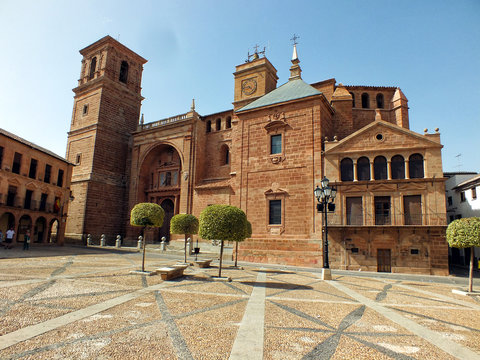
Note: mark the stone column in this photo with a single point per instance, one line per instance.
(355, 170)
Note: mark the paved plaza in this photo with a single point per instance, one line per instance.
(79, 303)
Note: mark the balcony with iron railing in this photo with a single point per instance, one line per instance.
(387, 219)
(17, 202)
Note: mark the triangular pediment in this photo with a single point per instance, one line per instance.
(380, 135)
(412, 186)
(275, 192)
(14, 182)
(383, 187)
(354, 188)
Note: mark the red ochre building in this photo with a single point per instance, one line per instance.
(266, 156)
(34, 190)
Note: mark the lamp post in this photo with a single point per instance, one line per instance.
(325, 197)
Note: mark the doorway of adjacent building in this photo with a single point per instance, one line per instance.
(384, 260)
(169, 207)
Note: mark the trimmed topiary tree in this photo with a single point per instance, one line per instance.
(465, 233)
(186, 224)
(146, 215)
(224, 223)
(248, 233)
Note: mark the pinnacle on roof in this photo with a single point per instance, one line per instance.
(295, 70)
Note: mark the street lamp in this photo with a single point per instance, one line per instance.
(325, 197)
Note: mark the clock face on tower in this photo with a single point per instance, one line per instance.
(249, 86)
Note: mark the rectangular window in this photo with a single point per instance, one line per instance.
(275, 212)
(60, 178)
(354, 211)
(452, 218)
(11, 195)
(28, 199)
(382, 210)
(450, 201)
(474, 193)
(33, 169)
(1, 156)
(459, 216)
(276, 144)
(462, 196)
(78, 160)
(412, 206)
(43, 202)
(17, 162)
(48, 173)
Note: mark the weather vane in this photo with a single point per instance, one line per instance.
(255, 54)
(294, 39)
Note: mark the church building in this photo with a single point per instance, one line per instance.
(265, 156)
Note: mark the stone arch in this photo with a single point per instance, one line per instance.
(380, 168)
(346, 169)
(160, 173)
(24, 224)
(7, 221)
(53, 229)
(39, 230)
(224, 155)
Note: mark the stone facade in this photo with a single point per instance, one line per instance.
(266, 155)
(34, 190)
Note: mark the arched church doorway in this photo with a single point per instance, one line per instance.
(169, 207)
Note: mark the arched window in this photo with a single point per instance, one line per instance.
(225, 155)
(415, 166)
(229, 122)
(380, 168)
(346, 169)
(209, 126)
(93, 67)
(123, 72)
(365, 101)
(353, 99)
(398, 167)
(363, 168)
(218, 125)
(380, 103)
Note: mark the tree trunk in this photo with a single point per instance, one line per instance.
(221, 256)
(144, 242)
(470, 277)
(185, 248)
(236, 252)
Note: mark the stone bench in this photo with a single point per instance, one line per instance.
(171, 272)
(203, 263)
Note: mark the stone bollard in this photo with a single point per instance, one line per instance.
(102, 240)
(162, 245)
(140, 242)
(89, 240)
(189, 246)
(118, 242)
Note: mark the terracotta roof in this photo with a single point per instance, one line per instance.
(31, 145)
(472, 181)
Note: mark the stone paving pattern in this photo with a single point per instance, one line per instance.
(78, 303)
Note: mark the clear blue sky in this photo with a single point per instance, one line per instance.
(430, 49)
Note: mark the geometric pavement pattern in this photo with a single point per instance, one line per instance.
(77, 303)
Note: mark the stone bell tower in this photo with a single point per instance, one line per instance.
(105, 112)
